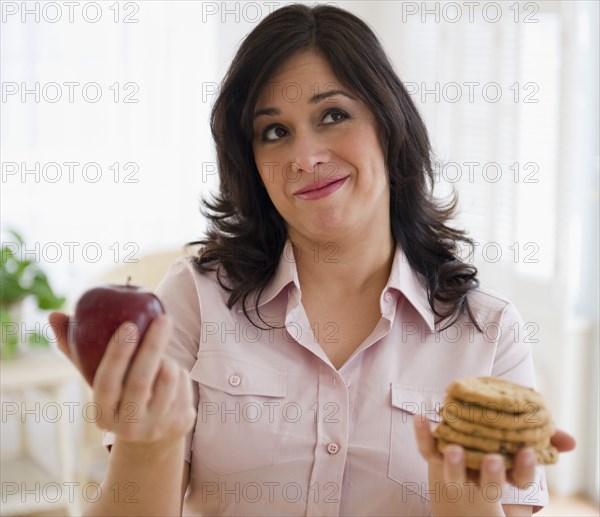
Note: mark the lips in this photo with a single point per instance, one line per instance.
(321, 189)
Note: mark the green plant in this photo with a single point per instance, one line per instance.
(20, 279)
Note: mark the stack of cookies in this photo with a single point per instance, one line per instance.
(492, 415)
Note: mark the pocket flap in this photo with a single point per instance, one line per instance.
(238, 375)
(418, 400)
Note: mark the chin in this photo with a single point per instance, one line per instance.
(329, 227)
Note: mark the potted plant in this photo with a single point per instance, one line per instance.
(19, 279)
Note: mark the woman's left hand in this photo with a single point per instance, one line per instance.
(456, 491)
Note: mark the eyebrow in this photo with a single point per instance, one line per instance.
(315, 99)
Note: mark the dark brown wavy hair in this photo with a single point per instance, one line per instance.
(246, 234)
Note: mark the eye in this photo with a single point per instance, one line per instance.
(333, 116)
(272, 133)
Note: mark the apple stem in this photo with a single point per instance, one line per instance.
(128, 280)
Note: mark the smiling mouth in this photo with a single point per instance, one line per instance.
(320, 189)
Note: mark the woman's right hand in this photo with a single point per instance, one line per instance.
(147, 400)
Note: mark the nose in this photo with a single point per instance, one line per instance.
(309, 151)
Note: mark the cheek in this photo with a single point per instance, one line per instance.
(265, 171)
(273, 181)
(264, 176)
(372, 160)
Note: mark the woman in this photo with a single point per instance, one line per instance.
(324, 313)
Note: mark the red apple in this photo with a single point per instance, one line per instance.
(98, 314)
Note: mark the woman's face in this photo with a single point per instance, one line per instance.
(317, 151)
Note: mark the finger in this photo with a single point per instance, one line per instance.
(182, 411)
(454, 464)
(110, 375)
(492, 477)
(564, 442)
(60, 326)
(164, 390)
(185, 412)
(523, 472)
(144, 369)
(425, 440)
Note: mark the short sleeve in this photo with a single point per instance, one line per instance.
(179, 295)
(514, 362)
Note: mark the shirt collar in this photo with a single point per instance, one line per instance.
(407, 281)
(285, 274)
(402, 278)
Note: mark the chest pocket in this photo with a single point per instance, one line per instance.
(406, 466)
(239, 411)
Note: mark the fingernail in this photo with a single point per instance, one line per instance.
(130, 333)
(528, 457)
(494, 464)
(161, 321)
(454, 456)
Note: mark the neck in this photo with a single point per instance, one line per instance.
(345, 266)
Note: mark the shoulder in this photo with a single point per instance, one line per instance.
(181, 265)
(488, 299)
(185, 269)
(184, 279)
(178, 274)
(487, 306)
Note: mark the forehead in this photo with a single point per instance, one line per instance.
(300, 77)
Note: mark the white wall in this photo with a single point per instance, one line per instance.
(155, 130)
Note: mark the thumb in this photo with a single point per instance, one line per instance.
(60, 325)
(563, 441)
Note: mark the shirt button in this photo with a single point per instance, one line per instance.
(388, 297)
(347, 382)
(333, 448)
(235, 380)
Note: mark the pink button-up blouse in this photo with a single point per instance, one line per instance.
(280, 431)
